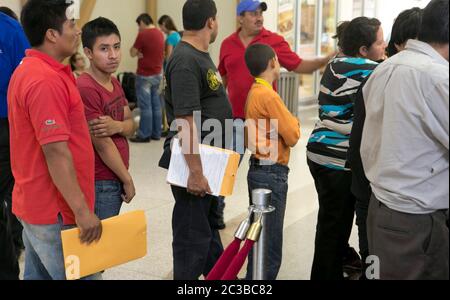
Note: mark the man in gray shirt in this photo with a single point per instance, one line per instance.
(405, 153)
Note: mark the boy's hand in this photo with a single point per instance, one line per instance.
(105, 126)
(129, 191)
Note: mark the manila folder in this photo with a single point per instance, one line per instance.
(124, 239)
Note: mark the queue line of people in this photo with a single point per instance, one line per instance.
(86, 163)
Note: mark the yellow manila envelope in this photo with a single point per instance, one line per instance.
(124, 239)
(219, 167)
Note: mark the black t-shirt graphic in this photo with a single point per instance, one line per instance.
(193, 85)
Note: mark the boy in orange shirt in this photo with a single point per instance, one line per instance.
(271, 131)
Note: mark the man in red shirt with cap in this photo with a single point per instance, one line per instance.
(236, 77)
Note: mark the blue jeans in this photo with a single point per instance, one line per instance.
(44, 259)
(149, 102)
(108, 198)
(274, 178)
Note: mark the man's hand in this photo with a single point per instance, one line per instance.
(198, 185)
(129, 191)
(105, 126)
(90, 227)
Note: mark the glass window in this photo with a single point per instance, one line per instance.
(287, 21)
(370, 8)
(358, 6)
(307, 43)
(329, 22)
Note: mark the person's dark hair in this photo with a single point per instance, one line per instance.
(38, 16)
(197, 12)
(9, 12)
(144, 18)
(168, 23)
(357, 33)
(73, 60)
(257, 58)
(406, 27)
(434, 27)
(340, 32)
(97, 28)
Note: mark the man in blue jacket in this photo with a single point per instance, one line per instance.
(13, 44)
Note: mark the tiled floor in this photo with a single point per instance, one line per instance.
(153, 196)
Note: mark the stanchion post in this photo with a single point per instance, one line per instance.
(261, 199)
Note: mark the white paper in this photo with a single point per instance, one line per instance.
(214, 163)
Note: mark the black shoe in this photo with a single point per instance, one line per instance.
(139, 140)
(156, 139)
(352, 260)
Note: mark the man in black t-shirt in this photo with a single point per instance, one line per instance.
(195, 95)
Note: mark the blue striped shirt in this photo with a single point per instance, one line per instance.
(329, 141)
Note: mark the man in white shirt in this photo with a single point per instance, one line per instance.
(405, 153)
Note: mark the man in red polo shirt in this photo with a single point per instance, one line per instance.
(232, 67)
(52, 157)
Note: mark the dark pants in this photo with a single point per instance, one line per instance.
(9, 268)
(196, 243)
(238, 145)
(335, 221)
(274, 178)
(362, 210)
(409, 247)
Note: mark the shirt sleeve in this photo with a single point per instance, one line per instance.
(93, 106)
(287, 58)
(437, 118)
(48, 106)
(119, 86)
(173, 39)
(138, 42)
(288, 125)
(221, 67)
(185, 91)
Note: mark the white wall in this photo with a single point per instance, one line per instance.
(388, 10)
(13, 4)
(226, 16)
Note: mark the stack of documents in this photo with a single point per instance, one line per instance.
(124, 239)
(219, 168)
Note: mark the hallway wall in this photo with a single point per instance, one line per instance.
(13, 4)
(125, 19)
